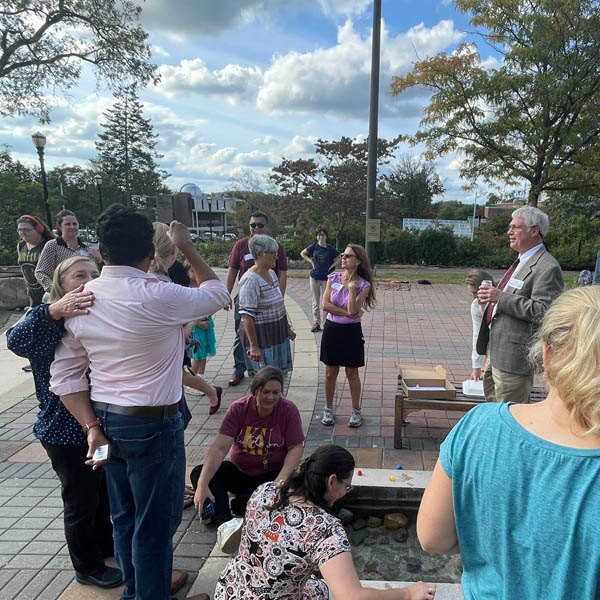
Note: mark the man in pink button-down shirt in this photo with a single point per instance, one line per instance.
(132, 342)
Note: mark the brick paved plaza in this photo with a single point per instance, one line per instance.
(426, 325)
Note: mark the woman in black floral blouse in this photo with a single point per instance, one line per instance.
(290, 534)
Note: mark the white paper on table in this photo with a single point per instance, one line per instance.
(423, 388)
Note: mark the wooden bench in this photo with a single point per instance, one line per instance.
(404, 406)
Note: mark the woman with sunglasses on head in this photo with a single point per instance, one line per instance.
(34, 234)
(342, 344)
(290, 533)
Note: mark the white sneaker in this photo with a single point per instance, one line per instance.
(328, 416)
(355, 418)
(190, 391)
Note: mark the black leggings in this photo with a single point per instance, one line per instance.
(229, 478)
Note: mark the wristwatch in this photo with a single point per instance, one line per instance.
(94, 423)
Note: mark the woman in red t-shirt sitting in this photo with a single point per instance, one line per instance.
(263, 431)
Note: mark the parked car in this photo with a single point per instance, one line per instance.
(229, 236)
(207, 235)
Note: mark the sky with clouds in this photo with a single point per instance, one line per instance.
(247, 82)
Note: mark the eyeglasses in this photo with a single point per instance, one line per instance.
(348, 255)
(257, 225)
(348, 484)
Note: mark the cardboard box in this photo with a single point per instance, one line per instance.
(425, 377)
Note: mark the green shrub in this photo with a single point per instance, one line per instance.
(215, 253)
(401, 247)
(436, 246)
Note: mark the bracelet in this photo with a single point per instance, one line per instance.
(94, 423)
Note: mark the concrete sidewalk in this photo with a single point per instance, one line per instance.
(427, 325)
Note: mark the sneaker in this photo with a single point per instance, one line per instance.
(328, 416)
(190, 391)
(315, 327)
(355, 418)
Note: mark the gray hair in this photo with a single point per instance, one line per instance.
(261, 244)
(533, 217)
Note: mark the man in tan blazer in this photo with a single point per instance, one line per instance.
(516, 307)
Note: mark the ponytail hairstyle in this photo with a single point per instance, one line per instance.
(310, 480)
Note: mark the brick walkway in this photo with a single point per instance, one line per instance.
(427, 325)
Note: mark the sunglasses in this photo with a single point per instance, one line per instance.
(257, 225)
(348, 255)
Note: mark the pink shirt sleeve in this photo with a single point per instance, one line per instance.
(68, 372)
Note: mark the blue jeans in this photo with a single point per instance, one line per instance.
(145, 478)
(239, 354)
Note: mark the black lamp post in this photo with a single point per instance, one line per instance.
(210, 218)
(98, 180)
(39, 141)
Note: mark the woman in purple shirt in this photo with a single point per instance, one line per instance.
(342, 344)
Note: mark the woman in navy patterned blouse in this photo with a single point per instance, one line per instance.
(88, 529)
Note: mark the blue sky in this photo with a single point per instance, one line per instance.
(247, 82)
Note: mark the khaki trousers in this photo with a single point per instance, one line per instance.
(317, 287)
(500, 386)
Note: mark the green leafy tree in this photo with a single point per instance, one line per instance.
(332, 188)
(408, 190)
(127, 154)
(534, 117)
(44, 43)
(452, 209)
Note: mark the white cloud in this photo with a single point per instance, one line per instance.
(209, 18)
(267, 140)
(159, 51)
(335, 81)
(300, 145)
(233, 82)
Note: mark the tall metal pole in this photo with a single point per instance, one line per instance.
(210, 219)
(373, 117)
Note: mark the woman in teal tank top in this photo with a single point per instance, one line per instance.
(517, 487)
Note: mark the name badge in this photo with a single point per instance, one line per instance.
(337, 286)
(84, 252)
(516, 283)
(248, 257)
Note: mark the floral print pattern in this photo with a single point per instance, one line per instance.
(281, 551)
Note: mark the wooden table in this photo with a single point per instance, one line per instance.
(404, 406)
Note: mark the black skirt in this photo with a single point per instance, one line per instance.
(342, 345)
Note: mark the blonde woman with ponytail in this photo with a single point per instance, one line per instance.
(517, 487)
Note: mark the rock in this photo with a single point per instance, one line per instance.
(413, 564)
(360, 523)
(395, 520)
(401, 535)
(13, 293)
(371, 540)
(359, 536)
(374, 522)
(345, 516)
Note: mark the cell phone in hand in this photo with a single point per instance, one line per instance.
(101, 453)
(208, 509)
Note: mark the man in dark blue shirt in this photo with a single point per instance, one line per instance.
(324, 258)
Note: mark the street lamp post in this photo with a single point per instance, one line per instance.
(39, 141)
(210, 218)
(98, 179)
